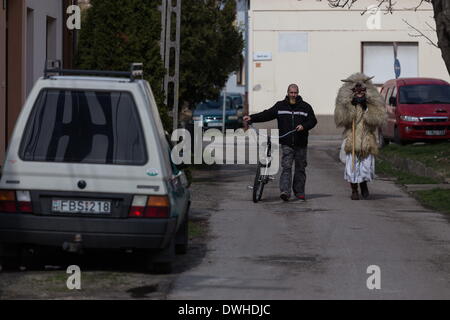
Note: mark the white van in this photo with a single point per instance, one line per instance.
(89, 167)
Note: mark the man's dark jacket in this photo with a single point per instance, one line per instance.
(289, 116)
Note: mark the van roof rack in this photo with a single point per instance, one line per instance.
(53, 68)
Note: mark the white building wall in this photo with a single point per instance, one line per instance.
(332, 51)
(41, 10)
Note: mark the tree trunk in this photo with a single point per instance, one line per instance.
(442, 18)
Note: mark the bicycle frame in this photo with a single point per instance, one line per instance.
(262, 176)
(268, 153)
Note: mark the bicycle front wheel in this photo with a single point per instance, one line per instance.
(258, 186)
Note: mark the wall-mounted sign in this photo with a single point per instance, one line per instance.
(262, 56)
(293, 42)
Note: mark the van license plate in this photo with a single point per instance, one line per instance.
(214, 124)
(435, 132)
(81, 206)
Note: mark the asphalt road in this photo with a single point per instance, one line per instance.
(320, 249)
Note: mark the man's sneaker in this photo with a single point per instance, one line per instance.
(284, 196)
(301, 198)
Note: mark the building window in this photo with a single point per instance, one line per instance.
(379, 58)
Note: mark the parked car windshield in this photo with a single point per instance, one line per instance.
(84, 127)
(425, 94)
(213, 104)
(237, 99)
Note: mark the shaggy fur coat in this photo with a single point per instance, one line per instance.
(366, 122)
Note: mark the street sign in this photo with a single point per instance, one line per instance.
(262, 56)
(397, 68)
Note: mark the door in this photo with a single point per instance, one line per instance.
(391, 112)
(388, 130)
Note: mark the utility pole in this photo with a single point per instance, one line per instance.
(224, 106)
(170, 53)
(247, 59)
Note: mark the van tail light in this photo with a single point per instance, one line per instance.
(15, 201)
(8, 201)
(24, 201)
(138, 207)
(150, 207)
(157, 207)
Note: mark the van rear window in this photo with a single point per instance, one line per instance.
(425, 94)
(96, 127)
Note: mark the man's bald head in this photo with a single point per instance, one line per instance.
(292, 93)
(292, 87)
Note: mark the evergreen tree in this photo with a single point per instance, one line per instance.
(211, 48)
(117, 33)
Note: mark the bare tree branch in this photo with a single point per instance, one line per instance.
(430, 26)
(389, 4)
(441, 9)
(420, 33)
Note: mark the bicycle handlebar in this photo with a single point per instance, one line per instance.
(284, 135)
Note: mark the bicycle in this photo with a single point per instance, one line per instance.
(262, 179)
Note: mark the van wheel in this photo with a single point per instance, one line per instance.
(160, 262)
(9, 257)
(182, 236)
(162, 267)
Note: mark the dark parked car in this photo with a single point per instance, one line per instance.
(418, 110)
(210, 113)
(238, 98)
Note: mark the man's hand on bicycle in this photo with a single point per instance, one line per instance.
(247, 118)
(299, 128)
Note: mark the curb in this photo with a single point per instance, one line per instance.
(421, 187)
(415, 167)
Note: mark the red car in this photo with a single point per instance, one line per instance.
(418, 110)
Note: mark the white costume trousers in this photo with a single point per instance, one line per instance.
(364, 170)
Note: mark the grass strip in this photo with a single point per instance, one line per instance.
(436, 199)
(433, 155)
(384, 168)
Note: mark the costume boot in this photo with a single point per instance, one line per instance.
(364, 190)
(355, 195)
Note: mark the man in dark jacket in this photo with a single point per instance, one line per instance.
(291, 113)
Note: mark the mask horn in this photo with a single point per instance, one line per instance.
(368, 79)
(346, 80)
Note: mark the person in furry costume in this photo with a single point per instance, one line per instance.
(360, 111)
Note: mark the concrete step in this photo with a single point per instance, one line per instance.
(417, 187)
